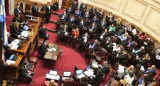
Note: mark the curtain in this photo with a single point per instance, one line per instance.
(7, 7)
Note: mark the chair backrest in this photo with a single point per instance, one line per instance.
(68, 82)
(11, 27)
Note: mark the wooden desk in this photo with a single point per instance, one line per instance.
(12, 71)
(51, 57)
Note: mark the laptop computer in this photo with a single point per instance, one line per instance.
(53, 72)
(26, 27)
(66, 74)
(80, 73)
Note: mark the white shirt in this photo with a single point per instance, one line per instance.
(128, 79)
(85, 39)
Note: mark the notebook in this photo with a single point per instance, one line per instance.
(52, 72)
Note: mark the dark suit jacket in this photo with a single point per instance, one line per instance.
(16, 12)
(42, 34)
(84, 24)
(105, 35)
(69, 20)
(48, 11)
(65, 17)
(91, 11)
(83, 7)
(42, 49)
(96, 46)
(94, 29)
(99, 14)
(120, 32)
(94, 20)
(34, 11)
(55, 6)
(62, 29)
(69, 11)
(24, 71)
(140, 53)
(74, 5)
(79, 13)
(16, 31)
(123, 57)
(86, 16)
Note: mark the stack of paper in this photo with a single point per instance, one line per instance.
(24, 34)
(15, 43)
(10, 62)
(49, 76)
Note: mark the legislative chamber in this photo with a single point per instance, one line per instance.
(79, 42)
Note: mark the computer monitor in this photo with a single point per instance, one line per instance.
(67, 74)
(79, 71)
(52, 72)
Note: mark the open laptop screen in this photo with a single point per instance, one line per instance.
(67, 74)
(79, 71)
(52, 72)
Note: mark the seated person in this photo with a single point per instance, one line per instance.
(77, 13)
(145, 59)
(17, 19)
(71, 20)
(142, 36)
(128, 79)
(95, 19)
(85, 38)
(16, 29)
(130, 44)
(111, 28)
(93, 28)
(123, 37)
(103, 24)
(104, 67)
(123, 57)
(128, 70)
(51, 83)
(4, 57)
(92, 12)
(43, 48)
(76, 33)
(100, 14)
(120, 31)
(104, 34)
(139, 52)
(151, 69)
(134, 31)
(64, 29)
(116, 48)
(26, 73)
(98, 74)
(55, 6)
(157, 56)
(120, 70)
(83, 8)
(74, 5)
(82, 23)
(43, 34)
(86, 16)
(94, 45)
(109, 19)
(128, 27)
(63, 17)
(69, 11)
(10, 83)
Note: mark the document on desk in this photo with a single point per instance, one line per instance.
(89, 73)
(24, 33)
(80, 76)
(48, 76)
(53, 49)
(94, 65)
(15, 43)
(10, 62)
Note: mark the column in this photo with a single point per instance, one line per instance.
(11, 7)
(60, 4)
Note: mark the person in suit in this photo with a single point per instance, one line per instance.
(63, 17)
(100, 14)
(103, 24)
(43, 34)
(17, 10)
(92, 12)
(55, 6)
(104, 34)
(82, 23)
(93, 28)
(98, 74)
(139, 52)
(95, 19)
(109, 19)
(71, 20)
(104, 67)
(83, 8)
(86, 38)
(64, 28)
(76, 33)
(69, 11)
(17, 19)
(121, 31)
(26, 73)
(86, 16)
(74, 5)
(123, 57)
(78, 13)
(48, 12)
(43, 48)
(94, 45)
(35, 10)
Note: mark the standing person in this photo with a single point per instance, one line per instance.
(48, 12)
(55, 6)
(17, 10)
(35, 10)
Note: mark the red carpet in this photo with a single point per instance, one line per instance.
(50, 26)
(54, 18)
(59, 11)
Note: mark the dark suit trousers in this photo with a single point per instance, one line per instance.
(48, 16)
(30, 77)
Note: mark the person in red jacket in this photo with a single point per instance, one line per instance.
(76, 33)
(142, 36)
